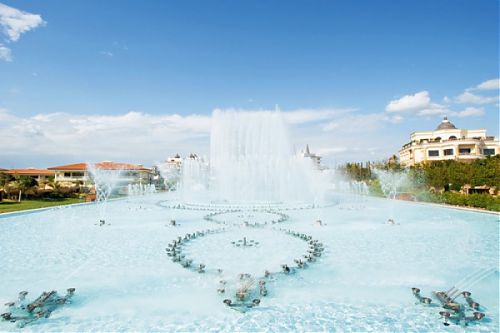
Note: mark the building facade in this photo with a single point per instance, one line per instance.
(40, 175)
(79, 174)
(315, 158)
(447, 142)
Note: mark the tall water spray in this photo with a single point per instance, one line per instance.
(105, 181)
(391, 183)
(251, 160)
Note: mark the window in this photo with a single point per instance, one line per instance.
(452, 137)
(448, 152)
(77, 174)
(464, 151)
(67, 174)
(437, 139)
(489, 151)
(433, 153)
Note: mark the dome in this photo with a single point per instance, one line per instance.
(445, 124)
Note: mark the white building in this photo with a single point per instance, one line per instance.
(447, 142)
(173, 163)
(315, 158)
(170, 171)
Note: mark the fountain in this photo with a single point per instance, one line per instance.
(251, 162)
(354, 274)
(391, 183)
(140, 189)
(105, 181)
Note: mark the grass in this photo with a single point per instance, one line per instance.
(7, 206)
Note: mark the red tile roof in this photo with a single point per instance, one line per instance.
(106, 165)
(76, 166)
(31, 172)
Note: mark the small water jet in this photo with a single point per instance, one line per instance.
(105, 180)
(140, 189)
(391, 183)
(245, 243)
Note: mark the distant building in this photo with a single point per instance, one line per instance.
(173, 163)
(315, 158)
(40, 175)
(447, 142)
(78, 173)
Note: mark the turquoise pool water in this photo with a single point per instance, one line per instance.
(125, 280)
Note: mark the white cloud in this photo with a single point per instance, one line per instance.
(329, 151)
(302, 116)
(48, 139)
(15, 22)
(360, 122)
(469, 98)
(132, 136)
(5, 53)
(107, 54)
(395, 119)
(4, 115)
(420, 104)
(493, 84)
(469, 112)
(418, 101)
(434, 109)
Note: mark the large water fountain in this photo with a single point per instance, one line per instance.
(246, 238)
(251, 161)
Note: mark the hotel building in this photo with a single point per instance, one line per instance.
(447, 142)
(78, 174)
(40, 175)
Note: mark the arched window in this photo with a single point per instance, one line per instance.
(437, 139)
(452, 137)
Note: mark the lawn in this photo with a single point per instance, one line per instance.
(13, 206)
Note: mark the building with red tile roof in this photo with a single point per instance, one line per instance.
(105, 165)
(41, 175)
(78, 173)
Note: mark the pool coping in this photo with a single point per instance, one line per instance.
(35, 210)
(441, 205)
(469, 209)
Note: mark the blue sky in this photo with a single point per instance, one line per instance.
(137, 80)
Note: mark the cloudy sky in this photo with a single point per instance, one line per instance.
(136, 81)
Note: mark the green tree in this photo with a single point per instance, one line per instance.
(24, 184)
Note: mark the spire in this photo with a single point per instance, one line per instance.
(307, 150)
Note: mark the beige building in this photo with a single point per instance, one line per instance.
(447, 142)
(40, 175)
(173, 164)
(78, 173)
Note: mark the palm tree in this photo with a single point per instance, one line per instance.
(5, 179)
(56, 187)
(24, 184)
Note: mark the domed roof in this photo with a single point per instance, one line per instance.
(445, 124)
